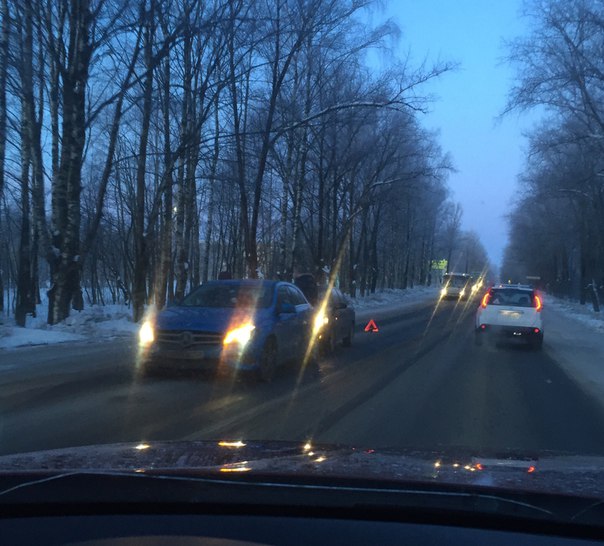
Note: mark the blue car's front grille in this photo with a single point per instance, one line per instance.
(185, 339)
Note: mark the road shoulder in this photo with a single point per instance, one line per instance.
(578, 348)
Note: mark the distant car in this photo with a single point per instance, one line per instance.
(510, 312)
(337, 321)
(456, 286)
(247, 325)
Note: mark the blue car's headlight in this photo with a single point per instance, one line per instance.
(240, 335)
(146, 334)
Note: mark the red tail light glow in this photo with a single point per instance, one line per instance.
(538, 304)
(485, 300)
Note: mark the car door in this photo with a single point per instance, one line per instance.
(286, 324)
(344, 314)
(304, 315)
(335, 314)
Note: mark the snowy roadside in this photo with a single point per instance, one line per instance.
(574, 337)
(395, 298)
(95, 323)
(581, 313)
(99, 323)
(389, 302)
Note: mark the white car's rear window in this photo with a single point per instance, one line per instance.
(517, 298)
(457, 282)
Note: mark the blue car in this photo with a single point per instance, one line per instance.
(246, 325)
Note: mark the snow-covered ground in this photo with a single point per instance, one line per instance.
(584, 314)
(11, 337)
(91, 324)
(574, 337)
(390, 302)
(395, 297)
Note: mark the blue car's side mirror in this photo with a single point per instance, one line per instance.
(287, 308)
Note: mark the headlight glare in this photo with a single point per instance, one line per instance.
(146, 335)
(320, 320)
(241, 334)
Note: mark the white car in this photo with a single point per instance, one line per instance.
(509, 312)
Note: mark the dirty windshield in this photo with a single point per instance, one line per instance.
(235, 222)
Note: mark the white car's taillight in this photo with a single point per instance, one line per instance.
(538, 304)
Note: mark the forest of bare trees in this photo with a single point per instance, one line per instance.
(557, 225)
(147, 145)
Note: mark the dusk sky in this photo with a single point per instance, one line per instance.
(487, 152)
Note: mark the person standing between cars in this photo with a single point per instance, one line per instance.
(308, 285)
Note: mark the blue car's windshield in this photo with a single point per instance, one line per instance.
(229, 296)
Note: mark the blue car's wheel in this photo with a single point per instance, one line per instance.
(150, 369)
(268, 361)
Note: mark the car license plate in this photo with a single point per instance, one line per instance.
(511, 314)
(183, 355)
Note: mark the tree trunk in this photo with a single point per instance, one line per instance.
(66, 214)
(211, 199)
(4, 37)
(163, 278)
(4, 43)
(139, 286)
(24, 292)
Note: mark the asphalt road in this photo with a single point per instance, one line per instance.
(417, 383)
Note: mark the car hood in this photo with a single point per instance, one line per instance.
(209, 319)
(548, 473)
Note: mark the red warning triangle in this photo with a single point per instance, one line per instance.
(371, 326)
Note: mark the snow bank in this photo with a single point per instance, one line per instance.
(11, 337)
(395, 297)
(393, 300)
(88, 325)
(574, 338)
(581, 313)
